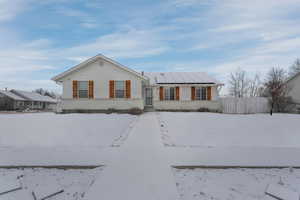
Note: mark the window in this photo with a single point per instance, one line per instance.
(170, 93)
(201, 93)
(83, 89)
(120, 89)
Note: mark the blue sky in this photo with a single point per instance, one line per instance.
(40, 39)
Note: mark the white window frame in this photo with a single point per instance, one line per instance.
(199, 93)
(81, 89)
(117, 89)
(167, 93)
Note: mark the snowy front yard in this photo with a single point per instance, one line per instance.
(239, 183)
(223, 130)
(69, 130)
(26, 184)
(47, 139)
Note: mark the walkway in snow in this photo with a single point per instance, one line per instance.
(139, 169)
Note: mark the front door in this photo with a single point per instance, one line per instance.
(148, 96)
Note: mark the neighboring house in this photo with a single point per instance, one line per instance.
(100, 83)
(21, 100)
(10, 101)
(294, 88)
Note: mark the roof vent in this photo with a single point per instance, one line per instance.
(162, 74)
(101, 63)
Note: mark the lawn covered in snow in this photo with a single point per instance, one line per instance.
(63, 130)
(235, 183)
(72, 184)
(217, 130)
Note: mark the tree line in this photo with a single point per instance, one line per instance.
(45, 92)
(273, 85)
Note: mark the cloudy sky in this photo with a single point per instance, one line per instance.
(41, 38)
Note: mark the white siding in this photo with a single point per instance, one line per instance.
(186, 105)
(101, 75)
(101, 104)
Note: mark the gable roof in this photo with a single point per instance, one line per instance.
(93, 59)
(180, 78)
(33, 96)
(12, 95)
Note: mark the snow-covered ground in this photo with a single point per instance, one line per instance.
(75, 183)
(239, 184)
(68, 130)
(141, 167)
(224, 130)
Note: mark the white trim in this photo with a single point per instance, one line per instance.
(93, 59)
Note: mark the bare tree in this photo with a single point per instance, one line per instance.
(295, 68)
(45, 92)
(238, 83)
(276, 89)
(40, 91)
(255, 86)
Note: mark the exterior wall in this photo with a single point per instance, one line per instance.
(6, 103)
(186, 105)
(185, 102)
(51, 106)
(36, 105)
(101, 75)
(102, 104)
(294, 85)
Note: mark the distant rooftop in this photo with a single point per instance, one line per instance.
(33, 96)
(12, 95)
(180, 77)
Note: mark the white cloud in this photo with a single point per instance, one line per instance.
(29, 84)
(89, 25)
(237, 27)
(9, 9)
(184, 3)
(21, 63)
(125, 44)
(69, 12)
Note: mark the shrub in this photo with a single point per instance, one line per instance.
(203, 110)
(209, 110)
(110, 111)
(135, 111)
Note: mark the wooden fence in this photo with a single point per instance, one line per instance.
(247, 105)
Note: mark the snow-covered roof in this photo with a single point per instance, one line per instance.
(12, 95)
(180, 78)
(33, 96)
